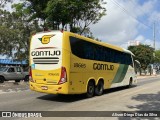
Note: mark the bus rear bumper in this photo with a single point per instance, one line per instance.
(50, 89)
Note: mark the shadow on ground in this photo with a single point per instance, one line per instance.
(74, 98)
(62, 98)
(150, 103)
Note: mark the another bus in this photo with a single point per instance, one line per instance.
(67, 63)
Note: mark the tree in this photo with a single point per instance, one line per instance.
(3, 2)
(144, 54)
(72, 14)
(157, 56)
(7, 35)
(5, 32)
(25, 29)
(15, 32)
(16, 27)
(37, 10)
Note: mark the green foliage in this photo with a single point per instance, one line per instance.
(143, 53)
(58, 13)
(37, 8)
(72, 14)
(15, 32)
(157, 56)
(7, 35)
(30, 16)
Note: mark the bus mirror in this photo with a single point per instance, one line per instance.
(138, 63)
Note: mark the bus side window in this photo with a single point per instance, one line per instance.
(88, 51)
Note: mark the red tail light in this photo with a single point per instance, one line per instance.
(33, 34)
(63, 77)
(30, 72)
(30, 75)
(61, 31)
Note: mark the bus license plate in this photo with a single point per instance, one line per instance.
(44, 87)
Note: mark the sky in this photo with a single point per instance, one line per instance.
(129, 20)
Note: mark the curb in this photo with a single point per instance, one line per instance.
(147, 76)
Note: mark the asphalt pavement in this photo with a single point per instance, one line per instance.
(12, 86)
(143, 97)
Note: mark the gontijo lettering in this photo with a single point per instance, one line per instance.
(46, 53)
(98, 66)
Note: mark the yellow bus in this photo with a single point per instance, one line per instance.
(67, 63)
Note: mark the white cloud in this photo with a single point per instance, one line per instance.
(116, 27)
(148, 42)
(120, 25)
(154, 17)
(140, 38)
(146, 8)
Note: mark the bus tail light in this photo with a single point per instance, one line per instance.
(30, 75)
(63, 77)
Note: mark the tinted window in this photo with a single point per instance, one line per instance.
(18, 69)
(11, 70)
(26, 69)
(3, 69)
(87, 50)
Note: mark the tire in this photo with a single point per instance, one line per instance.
(17, 80)
(130, 83)
(2, 79)
(26, 79)
(90, 89)
(99, 88)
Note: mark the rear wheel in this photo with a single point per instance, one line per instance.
(99, 88)
(2, 79)
(17, 80)
(26, 79)
(90, 89)
(130, 82)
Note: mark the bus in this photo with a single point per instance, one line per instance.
(62, 62)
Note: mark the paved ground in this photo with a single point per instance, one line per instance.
(11, 86)
(144, 97)
(146, 76)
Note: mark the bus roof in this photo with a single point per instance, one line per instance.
(90, 40)
(102, 43)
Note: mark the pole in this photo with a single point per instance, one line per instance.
(154, 36)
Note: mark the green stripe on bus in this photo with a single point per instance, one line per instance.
(121, 72)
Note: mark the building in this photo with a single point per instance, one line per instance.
(12, 62)
(133, 43)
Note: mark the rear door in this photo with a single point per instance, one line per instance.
(46, 57)
(19, 73)
(11, 73)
